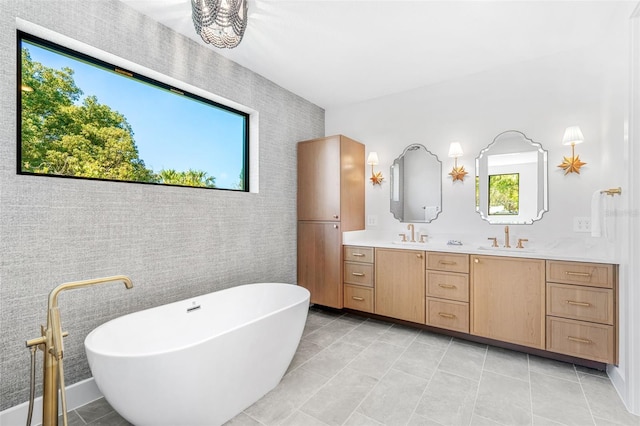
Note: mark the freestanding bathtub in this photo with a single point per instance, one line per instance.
(199, 361)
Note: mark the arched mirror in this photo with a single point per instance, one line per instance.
(511, 180)
(416, 185)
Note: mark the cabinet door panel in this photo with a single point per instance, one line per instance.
(319, 262)
(319, 179)
(400, 284)
(508, 299)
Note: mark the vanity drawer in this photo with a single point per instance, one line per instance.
(358, 254)
(358, 273)
(448, 262)
(448, 285)
(448, 314)
(590, 274)
(580, 302)
(359, 298)
(581, 339)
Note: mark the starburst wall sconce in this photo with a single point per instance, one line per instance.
(458, 173)
(376, 178)
(572, 136)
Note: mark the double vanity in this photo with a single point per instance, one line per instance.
(563, 307)
(528, 299)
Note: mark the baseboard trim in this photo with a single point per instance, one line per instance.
(78, 394)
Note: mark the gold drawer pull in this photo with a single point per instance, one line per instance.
(447, 286)
(357, 274)
(359, 299)
(578, 274)
(357, 254)
(445, 315)
(579, 340)
(573, 302)
(447, 262)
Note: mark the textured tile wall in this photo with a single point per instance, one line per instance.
(174, 242)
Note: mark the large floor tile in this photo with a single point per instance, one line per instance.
(358, 419)
(559, 400)
(508, 363)
(433, 339)
(366, 333)
(377, 359)
(306, 350)
(299, 419)
(420, 360)
(604, 401)
(482, 421)
(504, 399)
(400, 335)
(448, 399)
(294, 389)
(243, 419)
(463, 360)
(394, 398)
(333, 358)
(334, 402)
(562, 370)
(94, 410)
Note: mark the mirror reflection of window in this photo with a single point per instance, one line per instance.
(504, 194)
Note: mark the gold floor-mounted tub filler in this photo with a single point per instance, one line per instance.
(50, 342)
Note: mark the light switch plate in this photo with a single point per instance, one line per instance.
(372, 220)
(581, 224)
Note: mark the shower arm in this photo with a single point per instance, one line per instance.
(51, 344)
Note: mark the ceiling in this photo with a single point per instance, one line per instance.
(334, 53)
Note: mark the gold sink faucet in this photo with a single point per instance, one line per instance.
(506, 237)
(410, 227)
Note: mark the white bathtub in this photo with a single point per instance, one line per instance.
(199, 361)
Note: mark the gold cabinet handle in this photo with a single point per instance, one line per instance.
(573, 302)
(357, 254)
(447, 286)
(357, 274)
(579, 340)
(476, 260)
(359, 299)
(578, 274)
(335, 226)
(419, 256)
(447, 262)
(335, 216)
(445, 315)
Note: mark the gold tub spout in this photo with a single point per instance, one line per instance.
(51, 344)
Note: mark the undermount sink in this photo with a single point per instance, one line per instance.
(408, 244)
(506, 249)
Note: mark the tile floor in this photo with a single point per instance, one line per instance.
(353, 371)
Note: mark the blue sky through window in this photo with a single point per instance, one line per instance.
(171, 131)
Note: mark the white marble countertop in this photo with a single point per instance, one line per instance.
(578, 251)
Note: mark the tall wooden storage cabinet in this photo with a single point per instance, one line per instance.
(331, 175)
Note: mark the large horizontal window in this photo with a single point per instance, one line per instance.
(81, 117)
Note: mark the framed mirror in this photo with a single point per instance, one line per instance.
(416, 185)
(511, 180)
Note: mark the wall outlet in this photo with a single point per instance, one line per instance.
(372, 220)
(581, 224)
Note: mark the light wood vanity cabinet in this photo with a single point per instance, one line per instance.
(358, 278)
(447, 288)
(331, 174)
(569, 308)
(581, 310)
(399, 284)
(508, 299)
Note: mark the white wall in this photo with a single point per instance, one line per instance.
(586, 87)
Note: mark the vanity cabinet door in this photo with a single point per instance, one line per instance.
(399, 284)
(319, 180)
(508, 299)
